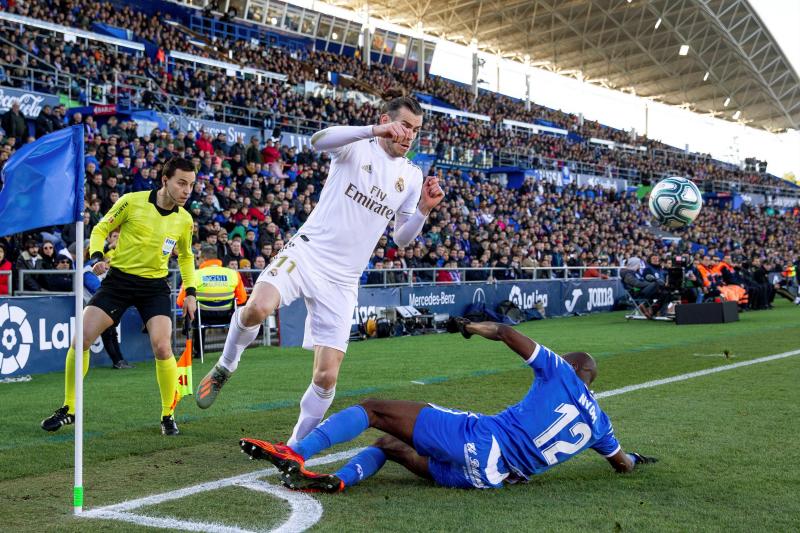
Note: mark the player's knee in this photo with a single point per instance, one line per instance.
(325, 379)
(395, 449)
(372, 406)
(256, 312)
(162, 350)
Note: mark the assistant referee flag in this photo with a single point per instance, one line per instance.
(43, 183)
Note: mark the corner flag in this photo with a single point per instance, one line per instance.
(43, 183)
(185, 371)
(43, 186)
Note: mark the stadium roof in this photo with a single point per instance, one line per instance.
(630, 45)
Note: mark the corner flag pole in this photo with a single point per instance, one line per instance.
(79, 251)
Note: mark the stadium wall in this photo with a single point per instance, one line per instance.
(559, 298)
(35, 333)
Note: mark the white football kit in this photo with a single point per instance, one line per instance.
(366, 188)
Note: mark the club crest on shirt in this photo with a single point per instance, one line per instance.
(273, 272)
(399, 185)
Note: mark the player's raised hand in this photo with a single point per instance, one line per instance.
(100, 268)
(456, 324)
(432, 195)
(394, 131)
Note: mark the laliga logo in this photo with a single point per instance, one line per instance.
(526, 300)
(16, 333)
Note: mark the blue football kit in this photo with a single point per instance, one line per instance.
(557, 419)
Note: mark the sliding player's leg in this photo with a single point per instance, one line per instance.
(372, 458)
(95, 321)
(391, 416)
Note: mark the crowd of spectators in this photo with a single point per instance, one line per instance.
(215, 95)
(249, 199)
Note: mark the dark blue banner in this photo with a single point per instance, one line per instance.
(557, 297)
(35, 333)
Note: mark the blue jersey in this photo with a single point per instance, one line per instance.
(557, 419)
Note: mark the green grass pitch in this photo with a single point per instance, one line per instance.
(726, 441)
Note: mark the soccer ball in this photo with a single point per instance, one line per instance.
(675, 202)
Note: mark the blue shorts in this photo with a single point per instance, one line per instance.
(461, 452)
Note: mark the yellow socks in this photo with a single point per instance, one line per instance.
(167, 376)
(69, 377)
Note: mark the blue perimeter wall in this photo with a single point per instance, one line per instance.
(560, 298)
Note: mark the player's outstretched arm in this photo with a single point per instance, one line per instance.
(335, 137)
(522, 345)
(626, 462)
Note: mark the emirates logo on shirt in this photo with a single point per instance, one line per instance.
(399, 185)
(373, 202)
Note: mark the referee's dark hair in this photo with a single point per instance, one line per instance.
(395, 104)
(176, 163)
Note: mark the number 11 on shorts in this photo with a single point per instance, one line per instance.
(282, 260)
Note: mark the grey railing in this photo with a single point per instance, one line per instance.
(393, 277)
(410, 276)
(6, 274)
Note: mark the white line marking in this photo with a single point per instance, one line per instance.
(306, 511)
(167, 523)
(418, 382)
(213, 485)
(119, 511)
(690, 375)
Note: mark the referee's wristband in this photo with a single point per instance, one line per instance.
(191, 291)
(98, 256)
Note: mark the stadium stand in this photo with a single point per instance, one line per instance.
(258, 193)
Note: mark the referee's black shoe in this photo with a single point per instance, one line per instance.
(59, 418)
(168, 426)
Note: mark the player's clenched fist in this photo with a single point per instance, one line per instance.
(394, 131)
(432, 194)
(100, 268)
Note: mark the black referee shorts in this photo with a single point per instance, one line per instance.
(119, 291)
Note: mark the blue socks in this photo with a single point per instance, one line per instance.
(362, 466)
(341, 427)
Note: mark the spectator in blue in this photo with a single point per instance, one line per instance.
(143, 181)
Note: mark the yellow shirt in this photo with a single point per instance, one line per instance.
(147, 236)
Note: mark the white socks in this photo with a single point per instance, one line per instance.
(239, 338)
(313, 407)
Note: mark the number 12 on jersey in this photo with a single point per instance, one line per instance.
(568, 413)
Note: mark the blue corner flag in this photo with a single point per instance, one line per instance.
(43, 183)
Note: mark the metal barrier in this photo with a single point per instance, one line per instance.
(7, 274)
(411, 276)
(428, 275)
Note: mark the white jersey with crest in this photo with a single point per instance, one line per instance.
(364, 191)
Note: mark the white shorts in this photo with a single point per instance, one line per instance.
(329, 305)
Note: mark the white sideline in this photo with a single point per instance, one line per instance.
(307, 511)
(690, 375)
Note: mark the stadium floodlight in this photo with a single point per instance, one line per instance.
(334, 36)
(705, 78)
(727, 101)
(684, 50)
(273, 21)
(737, 115)
(658, 23)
